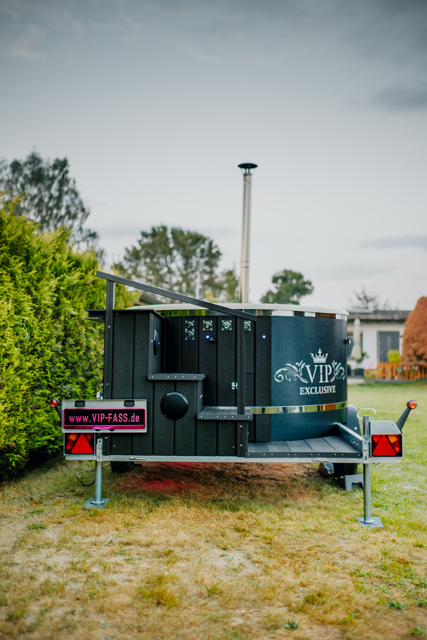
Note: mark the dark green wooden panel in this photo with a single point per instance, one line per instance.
(190, 348)
(250, 401)
(142, 443)
(207, 360)
(249, 373)
(240, 366)
(185, 428)
(155, 351)
(163, 434)
(262, 376)
(172, 344)
(227, 439)
(121, 444)
(106, 440)
(226, 359)
(123, 353)
(206, 438)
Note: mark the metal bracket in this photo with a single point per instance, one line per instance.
(234, 386)
(99, 457)
(189, 327)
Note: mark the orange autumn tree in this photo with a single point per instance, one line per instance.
(414, 348)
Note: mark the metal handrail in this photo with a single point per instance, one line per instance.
(177, 296)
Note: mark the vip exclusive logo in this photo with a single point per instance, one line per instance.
(327, 372)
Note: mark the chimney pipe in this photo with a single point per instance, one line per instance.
(246, 168)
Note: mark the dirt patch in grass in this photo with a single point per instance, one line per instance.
(219, 551)
(210, 480)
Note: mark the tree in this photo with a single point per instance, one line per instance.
(290, 287)
(230, 286)
(52, 199)
(414, 347)
(369, 301)
(172, 258)
(47, 348)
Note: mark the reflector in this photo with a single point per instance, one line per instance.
(70, 441)
(76, 443)
(54, 403)
(412, 404)
(387, 446)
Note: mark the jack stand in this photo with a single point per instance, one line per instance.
(368, 520)
(351, 482)
(98, 502)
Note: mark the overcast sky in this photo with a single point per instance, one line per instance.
(156, 103)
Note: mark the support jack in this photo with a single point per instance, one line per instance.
(98, 502)
(372, 522)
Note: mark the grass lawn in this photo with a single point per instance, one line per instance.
(220, 551)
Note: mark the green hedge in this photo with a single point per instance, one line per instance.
(47, 347)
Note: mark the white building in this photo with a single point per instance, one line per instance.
(381, 332)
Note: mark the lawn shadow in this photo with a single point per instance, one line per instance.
(223, 483)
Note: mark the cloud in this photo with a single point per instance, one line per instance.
(263, 33)
(219, 233)
(119, 231)
(402, 99)
(399, 243)
(349, 272)
(30, 46)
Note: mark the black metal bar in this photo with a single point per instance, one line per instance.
(176, 296)
(108, 341)
(242, 439)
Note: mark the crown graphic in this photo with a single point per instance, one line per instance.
(319, 358)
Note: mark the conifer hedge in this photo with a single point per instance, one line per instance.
(47, 347)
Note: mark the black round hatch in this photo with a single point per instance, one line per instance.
(174, 405)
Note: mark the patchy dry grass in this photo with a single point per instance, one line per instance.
(220, 551)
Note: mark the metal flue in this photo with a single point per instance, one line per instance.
(246, 168)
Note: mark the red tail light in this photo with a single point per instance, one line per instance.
(79, 443)
(54, 403)
(387, 445)
(412, 404)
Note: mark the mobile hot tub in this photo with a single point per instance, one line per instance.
(201, 381)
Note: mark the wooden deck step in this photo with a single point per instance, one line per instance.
(329, 447)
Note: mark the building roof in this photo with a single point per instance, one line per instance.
(390, 315)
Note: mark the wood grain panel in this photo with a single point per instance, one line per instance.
(262, 376)
(226, 359)
(121, 444)
(207, 360)
(123, 354)
(190, 348)
(206, 438)
(227, 439)
(172, 344)
(185, 428)
(142, 443)
(155, 350)
(163, 432)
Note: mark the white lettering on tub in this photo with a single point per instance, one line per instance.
(313, 391)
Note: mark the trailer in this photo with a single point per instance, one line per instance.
(198, 381)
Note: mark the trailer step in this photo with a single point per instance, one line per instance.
(224, 413)
(330, 447)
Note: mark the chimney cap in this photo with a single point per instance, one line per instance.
(247, 166)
